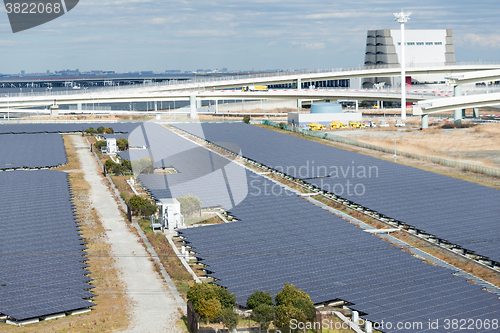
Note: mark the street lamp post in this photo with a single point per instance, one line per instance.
(402, 18)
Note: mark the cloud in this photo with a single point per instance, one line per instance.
(7, 42)
(208, 33)
(333, 15)
(486, 41)
(86, 39)
(310, 46)
(159, 20)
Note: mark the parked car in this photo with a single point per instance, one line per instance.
(400, 123)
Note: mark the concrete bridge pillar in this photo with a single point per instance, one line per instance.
(457, 117)
(425, 120)
(198, 103)
(299, 87)
(79, 106)
(476, 113)
(192, 103)
(156, 106)
(54, 110)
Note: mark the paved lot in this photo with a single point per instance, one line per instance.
(154, 307)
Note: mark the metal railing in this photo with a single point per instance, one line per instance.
(486, 171)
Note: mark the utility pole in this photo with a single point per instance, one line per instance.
(402, 18)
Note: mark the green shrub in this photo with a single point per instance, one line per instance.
(90, 131)
(122, 144)
(141, 206)
(100, 144)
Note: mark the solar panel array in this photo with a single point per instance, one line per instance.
(31, 151)
(64, 128)
(42, 259)
(213, 179)
(454, 210)
(282, 238)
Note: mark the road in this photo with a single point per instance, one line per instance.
(154, 307)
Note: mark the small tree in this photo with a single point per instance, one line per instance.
(190, 205)
(213, 303)
(108, 130)
(100, 144)
(262, 307)
(229, 318)
(109, 164)
(293, 303)
(100, 129)
(122, 144)
(127, 166)
(143, 166)
(258, 298)
(90, 131)
(227, 300)
(264, 315)
(141, 206)
(246, 119)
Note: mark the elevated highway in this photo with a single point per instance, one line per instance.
(139, 95)
(213, 88)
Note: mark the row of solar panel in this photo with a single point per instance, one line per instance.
(31, 151)
(42, 269)
(330, 259)
(64, 128)
(430, 202)
(283, 238)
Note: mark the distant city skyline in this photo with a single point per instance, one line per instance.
(146, 35)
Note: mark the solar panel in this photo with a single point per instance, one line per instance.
(42, 270)
(64, 128)
(430, 202)
(31, 151)
(290, 240)
(283, 238)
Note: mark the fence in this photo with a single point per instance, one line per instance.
(486, 171)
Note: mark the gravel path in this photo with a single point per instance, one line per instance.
(154, 307)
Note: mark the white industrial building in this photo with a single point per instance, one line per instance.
(422, 47)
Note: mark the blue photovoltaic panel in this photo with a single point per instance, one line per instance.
(42, 269)
(213, 179)
(454, 210)
(282, 238)
(29, 151)
(64, 128)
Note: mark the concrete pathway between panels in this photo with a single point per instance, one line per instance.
(154, 307)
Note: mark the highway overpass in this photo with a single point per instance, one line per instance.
(138, 95)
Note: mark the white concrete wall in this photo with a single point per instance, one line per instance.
(421, 54)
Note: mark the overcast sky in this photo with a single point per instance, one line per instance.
(159, 35)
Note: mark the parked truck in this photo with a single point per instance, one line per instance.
(254, 88)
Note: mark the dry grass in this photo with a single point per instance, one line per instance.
(489, 129)
(179, 275)
(459, 145)
(73, 161)
(110, 313)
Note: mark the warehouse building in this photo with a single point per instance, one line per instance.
(422, 47)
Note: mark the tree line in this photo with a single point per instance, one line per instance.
(216, 304)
